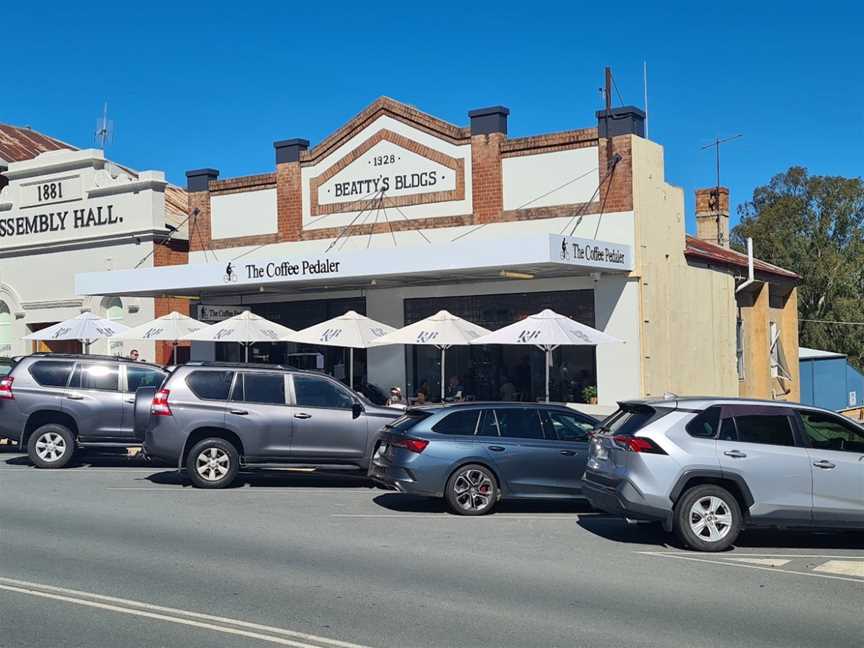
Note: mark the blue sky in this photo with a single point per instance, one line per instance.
(214, 84)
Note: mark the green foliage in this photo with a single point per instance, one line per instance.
(814, 225)
(588, 393)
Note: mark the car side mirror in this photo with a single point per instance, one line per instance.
(356, 410)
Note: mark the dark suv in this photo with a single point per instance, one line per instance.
(54, 404)
(212, 418)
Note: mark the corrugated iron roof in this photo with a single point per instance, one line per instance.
(697, 248)
(17, 143)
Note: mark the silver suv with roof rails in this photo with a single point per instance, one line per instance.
(709, 467)
(55, 404)
(214, 418)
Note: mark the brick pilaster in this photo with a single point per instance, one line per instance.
(488, 133)
(289, 200)
(173, 252)
(198, 192)
(616, 193)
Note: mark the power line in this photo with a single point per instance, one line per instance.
(832, 322)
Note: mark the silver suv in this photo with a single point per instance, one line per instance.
(212, 418)
(708, 467)
(54, 404)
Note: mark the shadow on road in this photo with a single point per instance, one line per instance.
(93, 460)
(271, 479)
(416, 504)
(617, 530)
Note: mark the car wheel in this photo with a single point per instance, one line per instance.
(213, 463)
(471, 490)
(51, 446)
(707, 518)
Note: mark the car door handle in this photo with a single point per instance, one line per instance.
(239, 412)
(569, 453)
(302, 415)
(130, 400)
(497, 448)
(735, 454)
(75, 396)
(824, 464)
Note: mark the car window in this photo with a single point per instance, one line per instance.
(96, 375)
(767, 429)
(630, 419)
(569, 427)
(828, 432)
(706, 424)
(458, 423)
(519, 423)
(210, 385)
(488, 425)
(313, 391)
(407, 420)
(137, 377)
(49, 373)
(266, 388)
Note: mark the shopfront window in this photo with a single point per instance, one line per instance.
(113, 307)
(299, 315)
(495, 372)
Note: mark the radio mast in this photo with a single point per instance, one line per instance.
(104, 134)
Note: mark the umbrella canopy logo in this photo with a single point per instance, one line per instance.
(424, 337)
(527, 336)
(61, 332)
(153, 332)
(223, 333)
(330, 334)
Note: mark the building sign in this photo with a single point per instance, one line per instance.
(212, 314)
(41, 222)
(56, 190)
(386, 171)
(586, 252)
(277, 269)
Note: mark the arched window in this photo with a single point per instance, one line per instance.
(113, 307)
(5, 329)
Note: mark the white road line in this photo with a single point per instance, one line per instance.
(79, 471)
(287, 490)
(846, 567)
(681, 556)
(174, 615)
(765, 562)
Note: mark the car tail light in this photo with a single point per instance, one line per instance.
(413, 445)
(637, 444)
(160, 406)
(6, 388)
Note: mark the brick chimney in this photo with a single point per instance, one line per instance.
(712, 215)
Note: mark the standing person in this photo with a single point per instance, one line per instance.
(133, 355)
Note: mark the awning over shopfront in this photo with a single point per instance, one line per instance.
(534, 256)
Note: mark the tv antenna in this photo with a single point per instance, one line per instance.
(716, 197)
(104, 134)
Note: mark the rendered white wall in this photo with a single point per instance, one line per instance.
(250, 213)
(528, 177)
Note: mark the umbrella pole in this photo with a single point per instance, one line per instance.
(548, 362)
(351, 367)
(443, 358)
(246, 347)
(175, 352)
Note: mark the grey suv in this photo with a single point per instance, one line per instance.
(707, 467)
(212, 418)
(54, 404)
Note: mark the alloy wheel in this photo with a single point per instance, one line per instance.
(473, 489)
(710, 518)
(213, 464)
(50, 447)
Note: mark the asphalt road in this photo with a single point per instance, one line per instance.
(124, 554)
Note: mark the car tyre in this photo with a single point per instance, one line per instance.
(213, 463)
(51, 446)
(471, 490)
(707, 518)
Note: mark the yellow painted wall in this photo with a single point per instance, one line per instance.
(688, 313)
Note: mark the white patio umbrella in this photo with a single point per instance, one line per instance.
(441, 330)
(547, 330)
(169, 328)
(86, 328)
(245, 328)
(350, 330)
